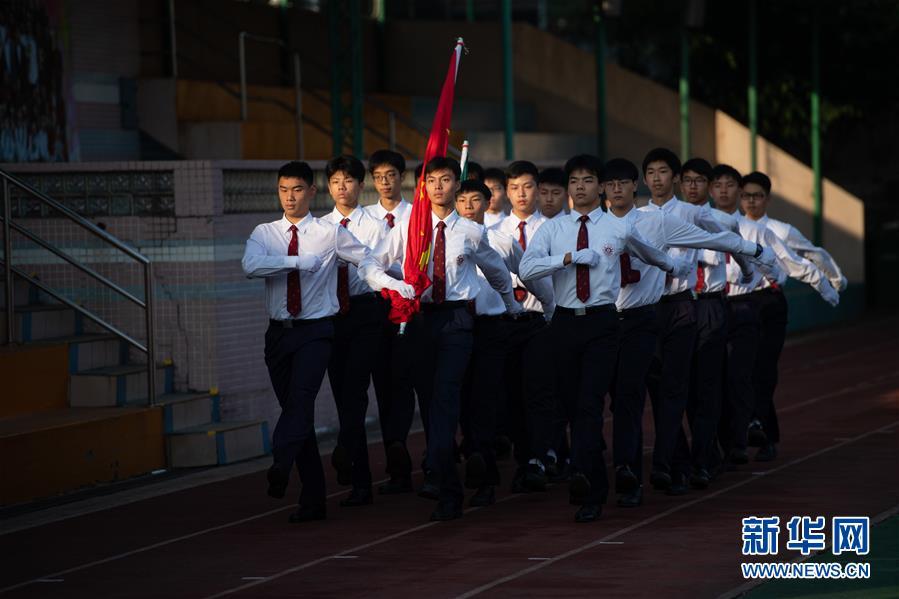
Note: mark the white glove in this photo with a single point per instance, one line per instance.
(767, 256)
(405, 290)
(586, 257)
(839, 284)
(309, 262)
(683, 268)
(512, 306)
(830, 295)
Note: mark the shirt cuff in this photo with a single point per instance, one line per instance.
(291, 261)
(558, 262)
(749, 247)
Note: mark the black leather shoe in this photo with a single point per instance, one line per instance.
(678, 486)
(563, 475)
(358, 497)
(738, 457)
(277, 482)
(632, 499)
(625, 480)
(588, 512)
(700, 479)
(766, 453)
(475, 471)
(578, 489)
(518, 481)
(483, 497)
(399, 462)
(534, 478)
(430, 489)
(503, 448)
(446, 510)
(308, 513)
(659, 480)
(340, 460)
(395, 486)
(756, 434)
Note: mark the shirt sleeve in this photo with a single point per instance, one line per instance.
(257, 263)
(538, 261)
(541, 288)
(795, 266)
(800, 244)
(373, 265)
(491, 264)
(639, 247)
(680, 233)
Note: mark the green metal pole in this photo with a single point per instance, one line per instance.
(356, 78)
(336, 78)
(600, 53)
(752, 90)
(469, 11)
(684, 92)
(380, 11)
(816, 129)
(508, 91)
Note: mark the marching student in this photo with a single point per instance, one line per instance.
(552, 188)
(521, 225)
(297, 256)
(357, 331)
(669, 373)
(443, 328)
(581, 253)
(772, 304)
(641, 288)
(391, 374)
(495, 180)
(474, 171)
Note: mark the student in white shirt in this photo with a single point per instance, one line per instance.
(581, 253)
(495, 180)
(391, 374)
(444, 326)
(357, 331)
(297, 256)
(756, 193)
(552, 188)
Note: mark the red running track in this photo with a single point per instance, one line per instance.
(839, 406)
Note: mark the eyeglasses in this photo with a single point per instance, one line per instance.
(759, 195)
(384, 178)
(688, 181)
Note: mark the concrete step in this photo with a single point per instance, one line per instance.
(36, 322)
(33, 378)
(182, 411)
(48, 453)
(217, 444)
(89, 351)
(23, 293)
(117, 385)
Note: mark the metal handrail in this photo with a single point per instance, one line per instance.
(146, 304)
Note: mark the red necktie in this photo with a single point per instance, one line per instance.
(294, 303)
(700, 277)
(726, 282)
(583, 271)
(522, 238)
(389, 216)
(628, 275)
(343, 281)
(439, 292)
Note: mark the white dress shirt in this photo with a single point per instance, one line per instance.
(400, 213)
(702, 217)
(800, 244)
(266, 257)
(488, 301)
(714, 271)
(607, 235)
(366, 229)
(466, 248)
(664, 230)
(491, 219)
(510, 226)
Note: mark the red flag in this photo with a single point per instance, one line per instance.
(418, 243)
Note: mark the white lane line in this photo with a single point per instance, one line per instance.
(538, 559)
(252, 578)
(749, 585)
(661, 515)
(611, 542)
(50, 580)
(344, 556)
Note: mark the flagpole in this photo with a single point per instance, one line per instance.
(463, 160)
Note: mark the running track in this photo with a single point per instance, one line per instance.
(839, 407)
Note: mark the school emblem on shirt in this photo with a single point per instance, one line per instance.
(607, 249)
(460, 260)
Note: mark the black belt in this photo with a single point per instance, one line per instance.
(296, 323)
(711, 295)
(767, 291)
(365, 297)
(743, 297)
(586, 310)
(683, 296)
(451, 305)
(636, 311)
